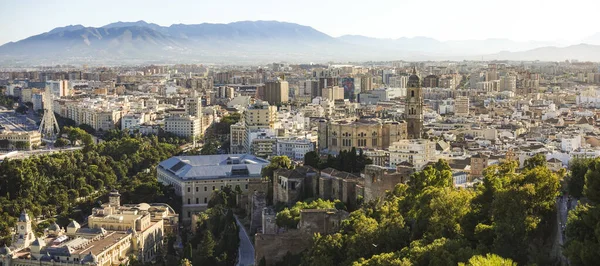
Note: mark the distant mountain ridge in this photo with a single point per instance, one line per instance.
(256, 41)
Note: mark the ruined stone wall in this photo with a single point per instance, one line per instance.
(349, 192)
(377, 181)
(261, 185)
(269, 221)
(258, 203)
(324, 221)
(273, 247)
(325, 188)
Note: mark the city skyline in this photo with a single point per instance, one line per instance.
(514, 20)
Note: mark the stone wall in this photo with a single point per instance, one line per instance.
(273, 247)
(325, 188)
(378, 179)
(258, 203)
(323, 221)
(261, 185)
(269, 221)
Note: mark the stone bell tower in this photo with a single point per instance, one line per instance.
(414, 107)
(24, 235)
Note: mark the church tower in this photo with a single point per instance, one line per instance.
(24, 235)
(114, 199)
(414, 107)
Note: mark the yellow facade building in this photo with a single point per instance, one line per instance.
(115, 233)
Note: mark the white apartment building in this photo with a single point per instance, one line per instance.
(295, 149)
(570, 143)
(59, 88)
(132, 121)
(418, 152)
(186, 126)
(446, 107)
(193, 105)
(37, 100)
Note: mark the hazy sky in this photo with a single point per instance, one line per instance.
(520, 20)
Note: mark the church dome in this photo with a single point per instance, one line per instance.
(413, 78)
(89, 258)
(54, 227)
(74, 224)
(5, 250)
(24, 216)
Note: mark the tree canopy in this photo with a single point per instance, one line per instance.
(430, 222)
(349, 161)
(68, 184)
(583, 224)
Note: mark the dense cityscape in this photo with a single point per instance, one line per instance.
(219, 152)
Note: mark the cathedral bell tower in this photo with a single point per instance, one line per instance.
(414, 107)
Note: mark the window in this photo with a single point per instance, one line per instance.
(189, 214)
(205, 200)
(197, 201)
(189, 201)
(189, 189)
(412, 93)
(333, 142)
(197, 188)
(246, 186)
(205, 188)
(213, 187)
(374, 142)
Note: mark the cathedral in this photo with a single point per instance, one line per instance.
(414, 107)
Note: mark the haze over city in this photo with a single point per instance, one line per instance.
(532, 20)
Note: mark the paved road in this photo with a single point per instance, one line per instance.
(25, 154)
(246, 249)
(561, 221)
(563, 206)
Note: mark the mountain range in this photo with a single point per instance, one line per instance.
(261, 41)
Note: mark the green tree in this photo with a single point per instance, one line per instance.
(290, 217)
(535, 161)
(582, 246)
(205, 252)
(87, 128)
(185, 262)
(488, 260)
(22, 145)
(210, 147)
(591, 188)
(383, 259)
(576, 179)
(312, 158)
(188, 251)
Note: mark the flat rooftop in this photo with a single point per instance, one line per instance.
(214, 166)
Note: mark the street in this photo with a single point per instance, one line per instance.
(25, 154)
(246, 249)
(562, 208)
